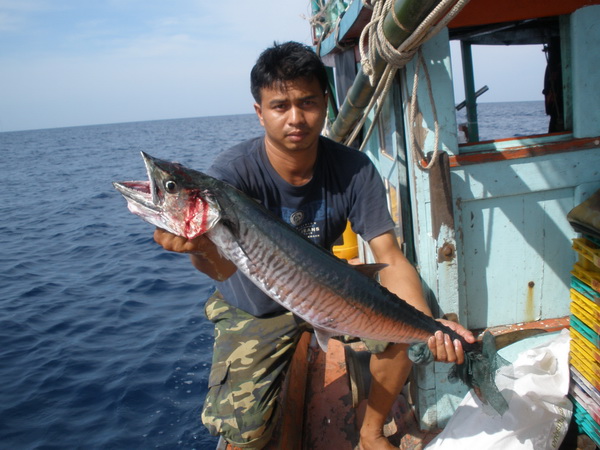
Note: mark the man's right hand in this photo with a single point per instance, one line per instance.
(203, 253)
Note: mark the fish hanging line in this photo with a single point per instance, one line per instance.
(373, 42)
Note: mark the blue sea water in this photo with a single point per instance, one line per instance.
(103, 340)
(499, 120)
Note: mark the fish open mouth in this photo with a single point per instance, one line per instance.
(133, 188)
(142, 187)
(141, 192)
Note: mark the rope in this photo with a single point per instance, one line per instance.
(373, 42)
(319, 20)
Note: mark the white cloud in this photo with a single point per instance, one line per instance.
(141, 60)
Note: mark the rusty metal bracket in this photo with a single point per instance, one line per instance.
(440, 189)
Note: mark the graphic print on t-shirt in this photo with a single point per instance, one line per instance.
(309, 220)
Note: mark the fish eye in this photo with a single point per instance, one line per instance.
(170, 186)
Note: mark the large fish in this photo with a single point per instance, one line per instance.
(331, 295)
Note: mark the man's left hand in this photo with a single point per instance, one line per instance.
(444, 349)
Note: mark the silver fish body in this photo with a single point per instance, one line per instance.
(330, 294)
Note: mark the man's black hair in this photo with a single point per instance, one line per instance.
(286, 62)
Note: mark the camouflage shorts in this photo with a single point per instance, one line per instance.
(250, 358)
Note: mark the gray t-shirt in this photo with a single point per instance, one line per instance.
(345, 186)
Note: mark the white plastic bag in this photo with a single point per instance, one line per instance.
(539, 412)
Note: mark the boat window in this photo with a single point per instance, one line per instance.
(508, 81)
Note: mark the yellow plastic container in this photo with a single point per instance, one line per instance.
(349, 248)
(587, 368)
(591, 278)
(585, 310)
(583, 348)
(589, 254)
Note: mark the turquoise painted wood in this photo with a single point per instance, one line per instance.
(435, 398)
(513, 242)
(516, 247)
(386, 148)
(585, 54)
(440, 278)
(350, 14)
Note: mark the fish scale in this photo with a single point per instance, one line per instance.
(269, 268)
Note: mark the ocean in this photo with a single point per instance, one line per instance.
(103, 340)
(509, 119)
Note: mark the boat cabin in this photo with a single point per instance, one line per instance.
(482, 215)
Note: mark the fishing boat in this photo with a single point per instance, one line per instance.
(484, 221)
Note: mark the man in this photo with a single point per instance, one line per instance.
(316, 185)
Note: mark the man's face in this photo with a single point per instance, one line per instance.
(293, 114)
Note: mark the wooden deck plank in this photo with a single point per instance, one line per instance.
(330, 419)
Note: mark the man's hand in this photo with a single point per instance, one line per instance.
(174, 243)
(203, 253)
(444, 349)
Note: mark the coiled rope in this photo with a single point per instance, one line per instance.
(373, 42)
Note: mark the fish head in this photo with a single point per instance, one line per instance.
(174, 198)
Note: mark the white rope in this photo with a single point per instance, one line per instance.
(373, 42)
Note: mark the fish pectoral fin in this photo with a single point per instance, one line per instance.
(323, 337)
(370, 270)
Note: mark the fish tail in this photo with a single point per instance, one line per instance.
(478, 373)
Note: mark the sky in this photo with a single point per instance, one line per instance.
(83, 62)
(514, 73)
(79, 62)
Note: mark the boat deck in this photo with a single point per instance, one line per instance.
(318, 411)
(333, 422)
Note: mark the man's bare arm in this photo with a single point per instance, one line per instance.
(401, 278)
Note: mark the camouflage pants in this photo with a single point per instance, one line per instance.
(250, 358)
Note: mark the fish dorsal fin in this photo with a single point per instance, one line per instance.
(370, 270)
